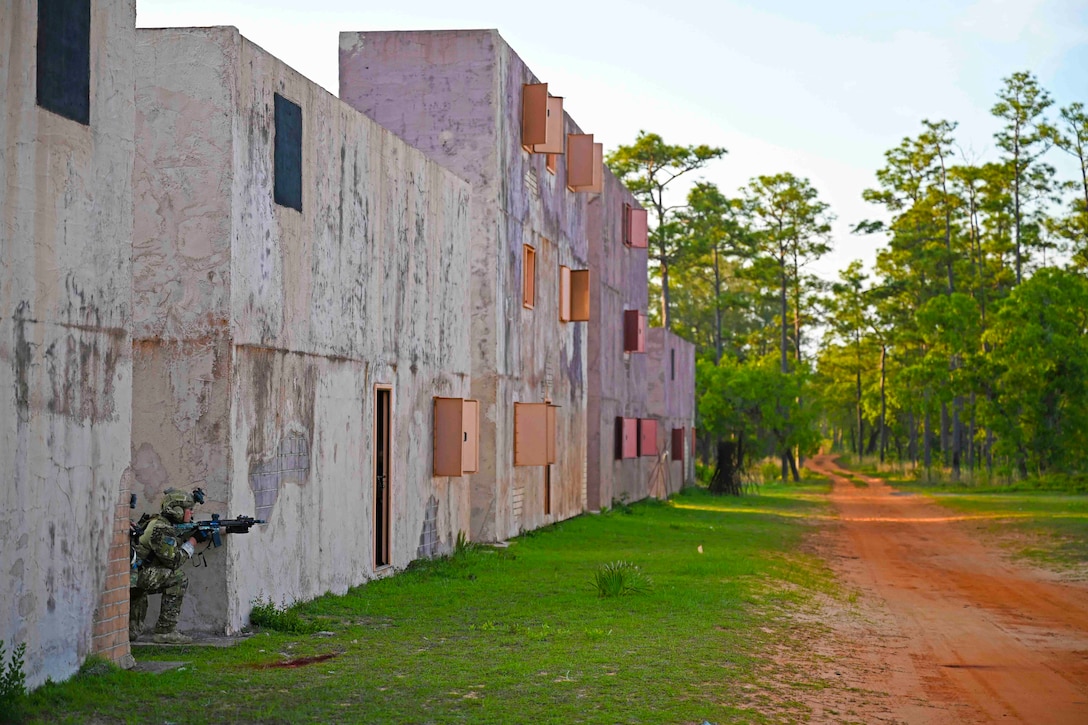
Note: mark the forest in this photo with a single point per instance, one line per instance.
(964, 351)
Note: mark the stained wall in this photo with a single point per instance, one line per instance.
(456, 95)
(617, 379)
(65, 349)
(670, 361)
(257, 367)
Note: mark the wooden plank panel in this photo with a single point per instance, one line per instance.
(630, 437)
(534, 114)
(647, 437)
(634, 331)
(448, 417)
(554, 142)
(596, 181)
(528, 282)
(470, 444)
(579, 159)
(530, 434)
(638, 228)
(579, 295)
(564, 293)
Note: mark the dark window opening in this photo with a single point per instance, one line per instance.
(382, 477)
(64, 58)
(547, 490)
(288, 154)
(672, 364)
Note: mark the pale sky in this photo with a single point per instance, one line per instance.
(818, 89)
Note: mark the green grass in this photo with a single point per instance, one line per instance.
(520, 635)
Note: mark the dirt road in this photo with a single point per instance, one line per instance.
(956, 633)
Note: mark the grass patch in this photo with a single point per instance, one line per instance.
(494, 635)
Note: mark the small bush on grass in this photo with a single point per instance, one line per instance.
(620, 578)
(267, 615)
(12, 684)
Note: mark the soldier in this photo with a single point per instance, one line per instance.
(161, 555)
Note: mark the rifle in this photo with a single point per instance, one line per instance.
(204, 530)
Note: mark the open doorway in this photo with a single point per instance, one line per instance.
(382, 473)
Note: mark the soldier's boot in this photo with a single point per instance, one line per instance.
(137, 613)
(169, 611)
(173, 637)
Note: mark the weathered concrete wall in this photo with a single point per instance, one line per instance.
(617, 379)
(456, 95)
(671, 387)
(269, 378)
(65, 350)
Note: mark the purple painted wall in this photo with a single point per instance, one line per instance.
(456, 95)
(671, 388)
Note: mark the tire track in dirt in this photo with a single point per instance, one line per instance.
(968, 637)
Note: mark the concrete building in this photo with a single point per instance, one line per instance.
(460, 97)
(671, 399)
(301, 295)
(66, 154)
(617, 469)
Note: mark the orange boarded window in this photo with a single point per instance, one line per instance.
(596, 171)
(573, 294)
(635, 230)
(534, 114)
(579, 160)
(564, 293)
(528, 281)
(534, 434)
(456, 424)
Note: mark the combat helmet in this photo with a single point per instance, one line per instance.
(174, 503)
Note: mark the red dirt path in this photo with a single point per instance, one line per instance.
(958, 633)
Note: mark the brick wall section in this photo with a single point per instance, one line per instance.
(110, 638)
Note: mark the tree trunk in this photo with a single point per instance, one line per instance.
(883, 404)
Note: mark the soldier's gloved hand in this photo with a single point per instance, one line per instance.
(200, 536)
(187, 547)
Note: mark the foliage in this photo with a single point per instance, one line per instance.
(649, 167)
(12, 683)
(620, 578)
(267, 615)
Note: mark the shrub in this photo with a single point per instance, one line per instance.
(12, 684)
(267, 615)
(620, 578)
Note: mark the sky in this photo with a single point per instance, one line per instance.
(821, 90)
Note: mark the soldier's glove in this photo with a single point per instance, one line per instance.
(188, 549)
(200, 536)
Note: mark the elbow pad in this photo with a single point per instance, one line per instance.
(188, 549)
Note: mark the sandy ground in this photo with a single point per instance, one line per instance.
(939, 626)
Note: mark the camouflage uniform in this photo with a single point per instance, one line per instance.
(160, 550)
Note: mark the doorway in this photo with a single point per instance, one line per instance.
(382, 474)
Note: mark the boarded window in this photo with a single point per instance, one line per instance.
(579, 295)
(579, 160)
(554, 125)
(596, 175)
(64, 58)
(564, 293)
(550, 437)
(679, 441)
(456, 425)
(634, 331)
(635, 230)
(528, 280)
(534, 434)
(534, 114)
(573, 294)
(550, 161)
(287, 172)
(647, 437)
(626, 437)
